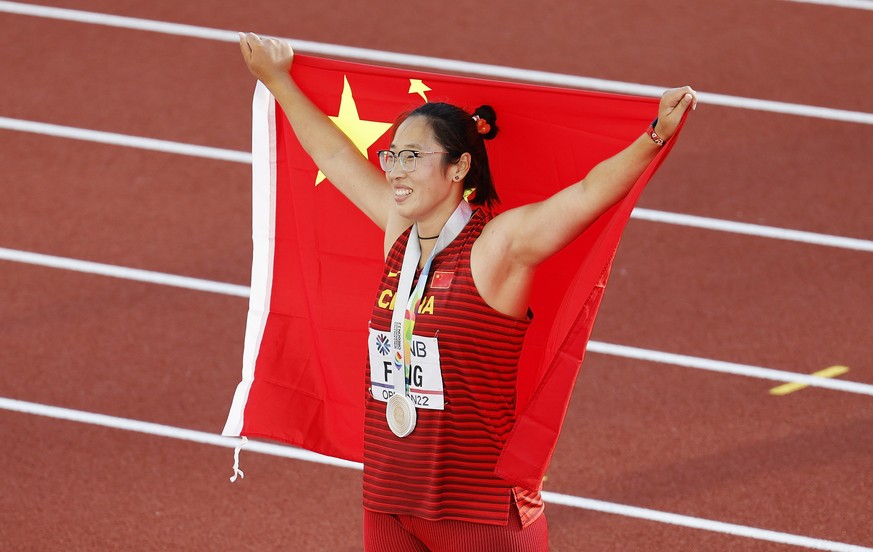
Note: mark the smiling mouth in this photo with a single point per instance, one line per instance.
(402, 192)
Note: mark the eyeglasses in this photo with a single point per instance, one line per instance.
(407, 158)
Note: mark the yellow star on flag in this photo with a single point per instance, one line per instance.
(363, 133)
(417, 86)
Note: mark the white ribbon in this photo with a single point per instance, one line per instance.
(411, 256)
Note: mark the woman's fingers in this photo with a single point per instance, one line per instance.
(266, 58)
(674, 103)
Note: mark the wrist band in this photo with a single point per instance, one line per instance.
(654, 135)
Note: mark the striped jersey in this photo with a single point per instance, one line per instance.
(445, 468)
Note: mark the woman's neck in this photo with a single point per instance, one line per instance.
(429, 228)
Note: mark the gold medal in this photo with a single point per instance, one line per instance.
(401, 414)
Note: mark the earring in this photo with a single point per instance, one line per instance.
(457, 178)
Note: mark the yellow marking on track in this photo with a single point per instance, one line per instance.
(831, 372)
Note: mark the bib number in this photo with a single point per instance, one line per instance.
(425, 379)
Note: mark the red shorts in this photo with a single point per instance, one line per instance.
(399, 533)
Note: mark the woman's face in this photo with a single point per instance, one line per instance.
(428, 189)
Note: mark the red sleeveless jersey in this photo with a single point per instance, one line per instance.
(445, 468)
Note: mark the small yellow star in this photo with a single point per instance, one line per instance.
(363, 133)
(416, 86)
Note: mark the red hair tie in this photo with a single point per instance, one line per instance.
(482, 126)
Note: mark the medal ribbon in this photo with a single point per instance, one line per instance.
(407, 300)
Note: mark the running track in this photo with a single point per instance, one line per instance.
(123, 274)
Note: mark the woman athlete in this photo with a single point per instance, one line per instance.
(429, 482)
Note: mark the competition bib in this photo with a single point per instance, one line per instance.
(425, 384)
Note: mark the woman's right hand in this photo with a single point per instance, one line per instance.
(268, 59)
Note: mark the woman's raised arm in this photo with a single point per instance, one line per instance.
(515, 242)
(537, 231)
(269, 60)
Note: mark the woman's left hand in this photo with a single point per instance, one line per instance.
(674, 103)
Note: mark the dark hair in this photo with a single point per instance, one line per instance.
(456, 131)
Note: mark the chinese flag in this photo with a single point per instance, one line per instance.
(317, 260)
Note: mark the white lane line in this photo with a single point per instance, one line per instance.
(284, 451)
(439, 64)
(160, 430)
(125, 140)
(757, 230)
(125, 273)
(732, 368)
(855, 4)
(635, 353)
(700, 523)
(785, 108)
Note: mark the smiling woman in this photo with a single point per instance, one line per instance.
(459, 132)
(444, 352)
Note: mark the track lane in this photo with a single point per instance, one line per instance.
(122, 348)
(674, 440)
(708, 529)
(739, 299)
(92, 488)
(109, 79)
(116, 205)
(752, 48)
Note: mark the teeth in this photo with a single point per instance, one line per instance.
(400, 192)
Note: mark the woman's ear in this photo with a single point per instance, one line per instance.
(462, 167)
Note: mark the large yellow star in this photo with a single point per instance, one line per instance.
(363, 133)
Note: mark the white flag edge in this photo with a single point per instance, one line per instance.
(263, 246)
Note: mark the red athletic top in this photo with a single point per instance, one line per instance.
(445, 468)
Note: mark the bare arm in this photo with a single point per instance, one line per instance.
(514, 243)
(270, 61)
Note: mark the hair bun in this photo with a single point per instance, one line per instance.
(488, 129)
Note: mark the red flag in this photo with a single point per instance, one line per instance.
(317, 259)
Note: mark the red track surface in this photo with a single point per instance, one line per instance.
(658, 436)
